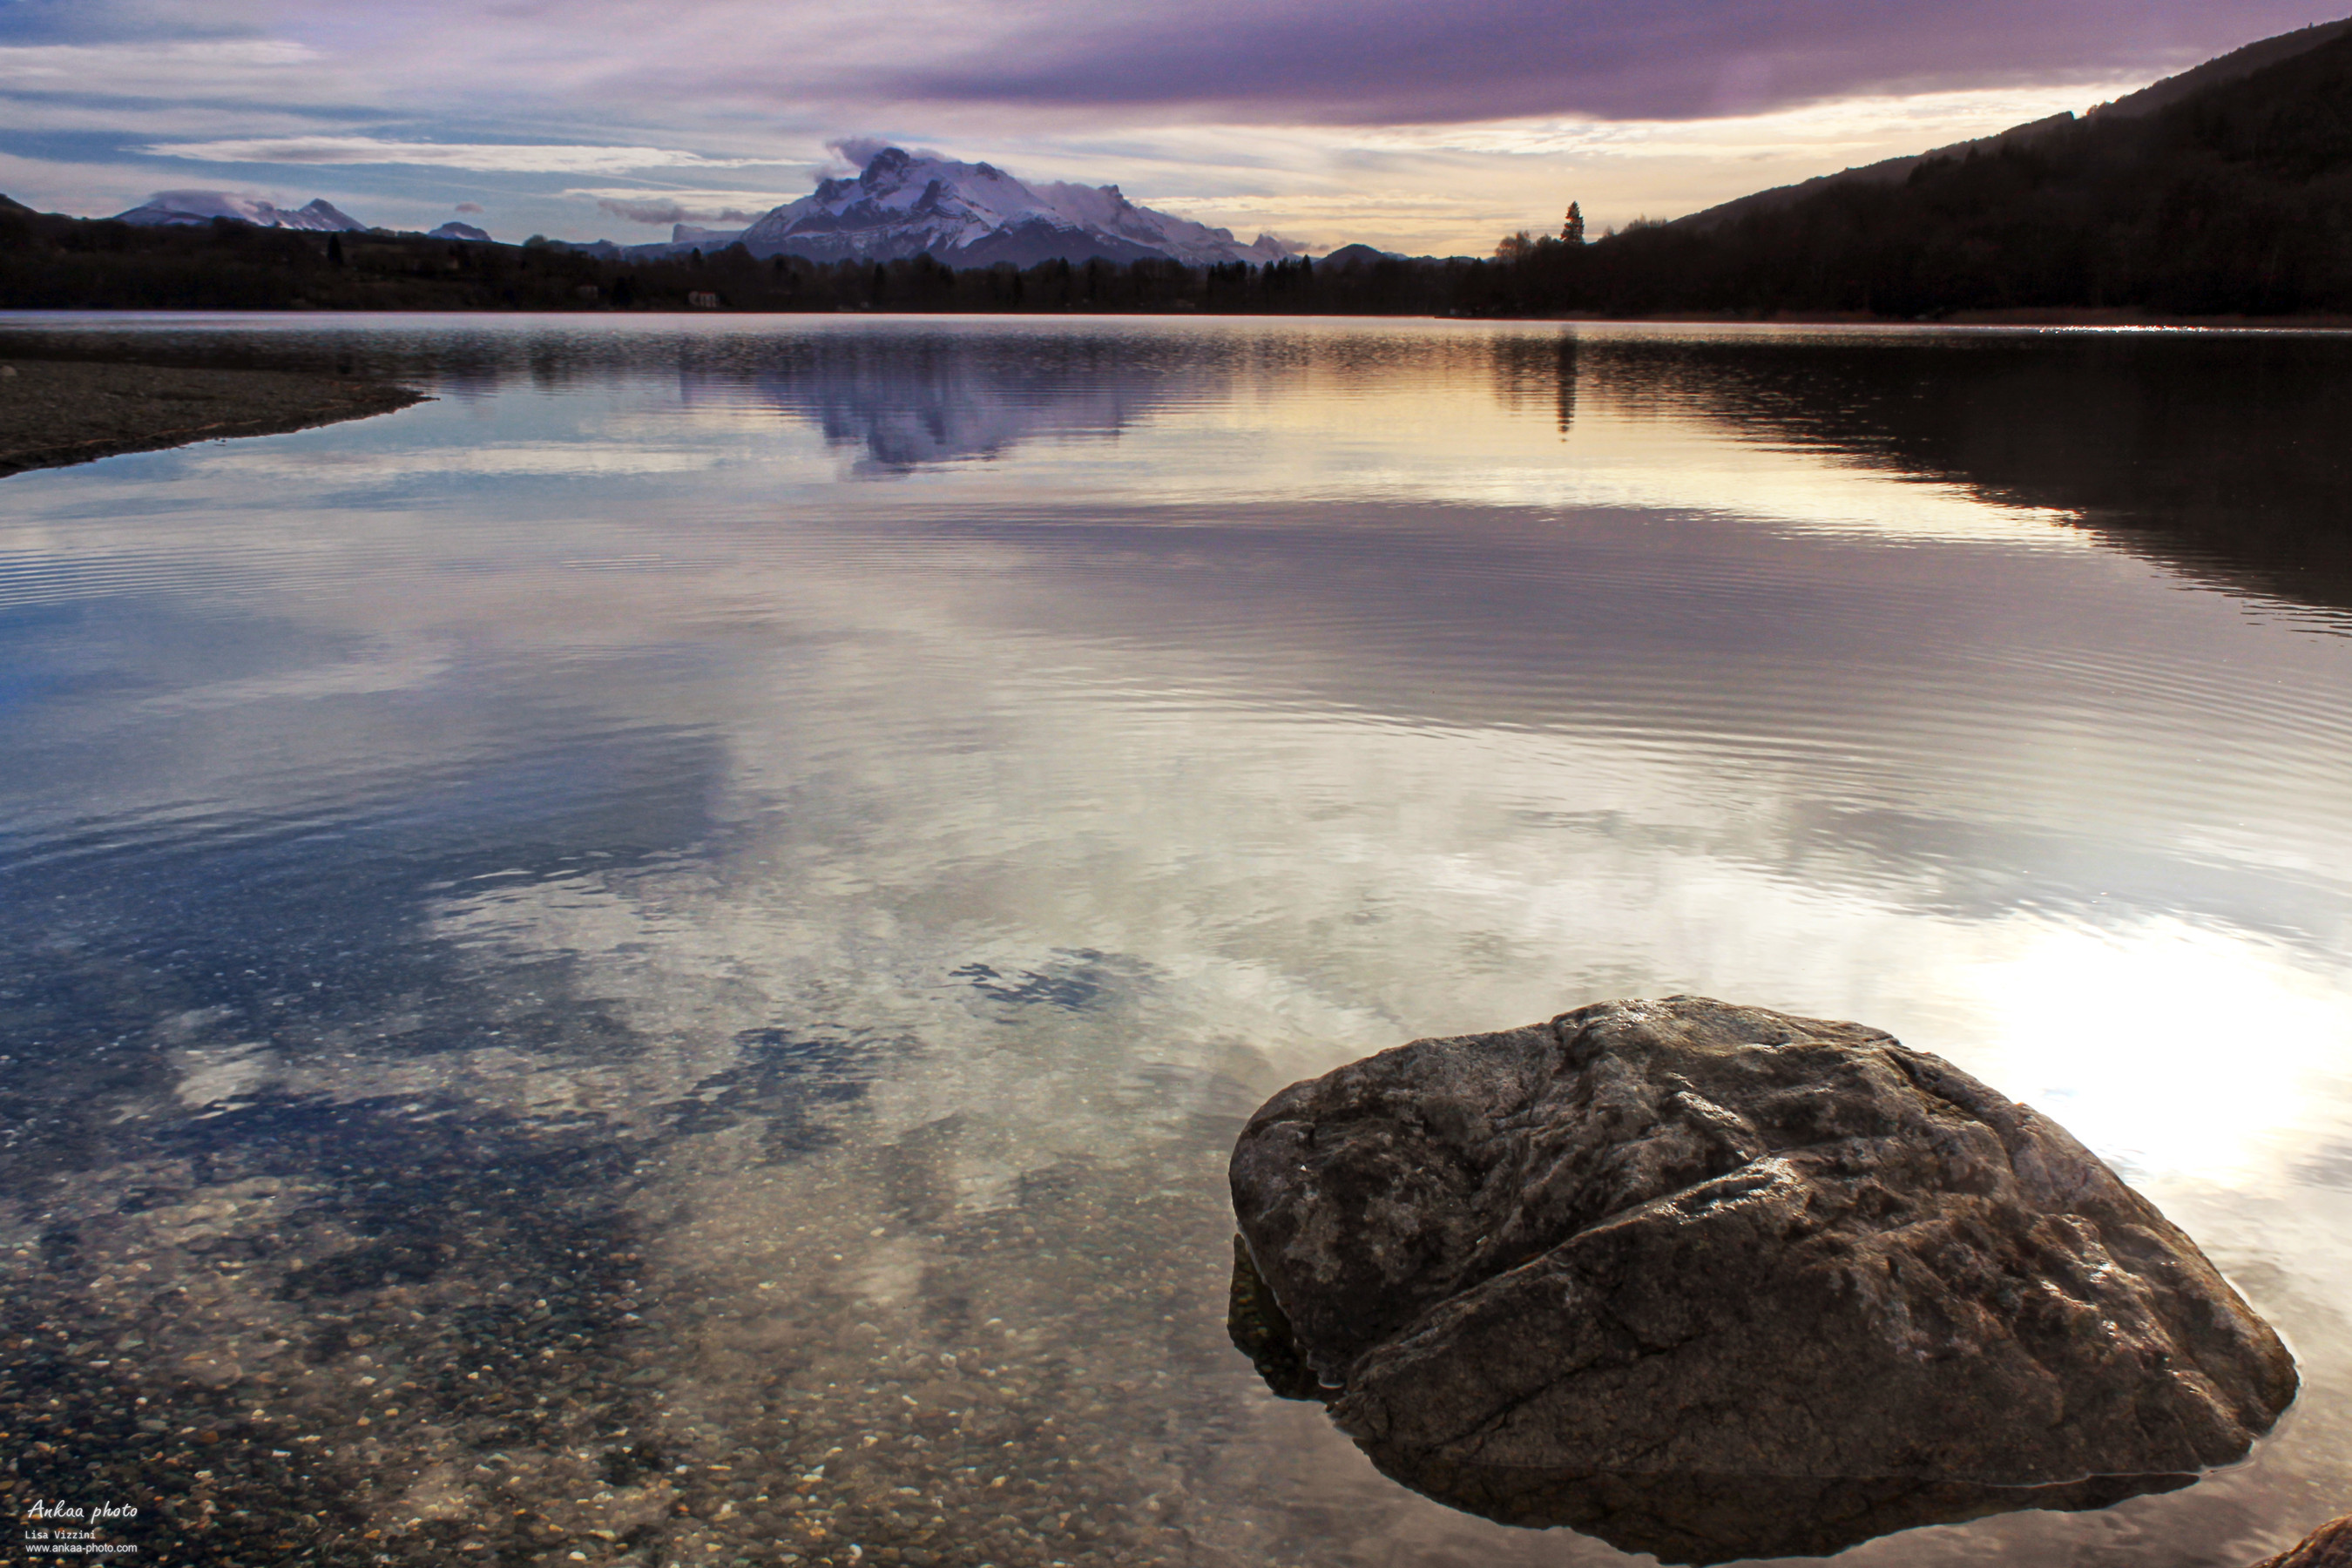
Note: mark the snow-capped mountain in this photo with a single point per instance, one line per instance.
(453, 229)
(975, 215)
(166, 208)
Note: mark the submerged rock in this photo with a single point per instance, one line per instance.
(1652, 1254)
(1708, 1518)
(2329, 1546)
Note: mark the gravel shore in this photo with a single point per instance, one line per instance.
(56, 412)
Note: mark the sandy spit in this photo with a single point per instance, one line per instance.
(56, 412)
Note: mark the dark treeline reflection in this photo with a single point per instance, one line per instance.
(1044, 361)
(2229, 456)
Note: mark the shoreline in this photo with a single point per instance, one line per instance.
(57, 413)
(2035, 316)
(2054, 316)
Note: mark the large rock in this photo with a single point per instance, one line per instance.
(1571, 1272)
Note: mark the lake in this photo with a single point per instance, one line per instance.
(658, 959)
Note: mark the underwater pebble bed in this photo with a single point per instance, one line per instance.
(475, 1362)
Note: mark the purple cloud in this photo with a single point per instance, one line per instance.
(469, 207)
(1386, 61)
(810, 63)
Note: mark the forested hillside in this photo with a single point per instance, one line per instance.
(2235, 200)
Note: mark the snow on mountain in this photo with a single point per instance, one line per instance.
(453, 229)
(975, 215)
(174, 207)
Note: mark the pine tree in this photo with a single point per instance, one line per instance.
(1572, 230)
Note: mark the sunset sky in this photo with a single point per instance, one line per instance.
(1408, 125)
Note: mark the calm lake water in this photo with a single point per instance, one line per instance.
(657, 960)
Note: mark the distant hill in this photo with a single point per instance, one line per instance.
(2222, 68)
(166, 209)
(1885, 172)
(2224, 191)
(2236, 64)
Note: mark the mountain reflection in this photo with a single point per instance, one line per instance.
(910, 402)
(2225, 457)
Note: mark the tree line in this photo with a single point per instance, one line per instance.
(52, 262)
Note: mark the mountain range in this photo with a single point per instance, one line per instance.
(900, 205)
(175, 209)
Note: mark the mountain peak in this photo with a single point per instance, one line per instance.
(885, 166)
(904, 204)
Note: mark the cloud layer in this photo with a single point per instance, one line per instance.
(1411, 126)
(505, 157)
(1383, 61)
(1291, 61)
(712, 206)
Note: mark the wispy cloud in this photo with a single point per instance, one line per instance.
(680, 206)
(74, 65)
(1368, 62)
(1405, 61)
(496, 157)
(1840, 126)
(259, 70)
